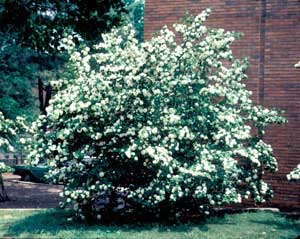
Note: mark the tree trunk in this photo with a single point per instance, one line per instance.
(44, 99)
(3, 195)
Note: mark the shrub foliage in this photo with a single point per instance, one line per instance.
(9, 130)
(167, 124)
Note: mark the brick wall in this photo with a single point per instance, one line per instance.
(272, 42)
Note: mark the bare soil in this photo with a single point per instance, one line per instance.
(30, 195)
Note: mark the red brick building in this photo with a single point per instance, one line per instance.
(272, 42)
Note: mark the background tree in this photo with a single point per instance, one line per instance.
(19, 68)
(135, 9)
(40, 24)
(30, 32)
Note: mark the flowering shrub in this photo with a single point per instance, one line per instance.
(162, 124)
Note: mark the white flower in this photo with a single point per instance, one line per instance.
(22, 140)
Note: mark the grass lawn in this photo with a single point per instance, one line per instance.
(53, 224)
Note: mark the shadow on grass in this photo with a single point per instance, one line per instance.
(54, 221)
(280, 224)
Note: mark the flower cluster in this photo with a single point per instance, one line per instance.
(165, 123)
(294, 174)
(4, 168)
(9, 130)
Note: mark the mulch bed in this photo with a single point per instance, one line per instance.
(30, 195)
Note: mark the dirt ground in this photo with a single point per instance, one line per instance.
(30, 195)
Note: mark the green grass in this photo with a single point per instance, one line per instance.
(53, 224)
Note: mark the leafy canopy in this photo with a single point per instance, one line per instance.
(40, 24)
(29, 35)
